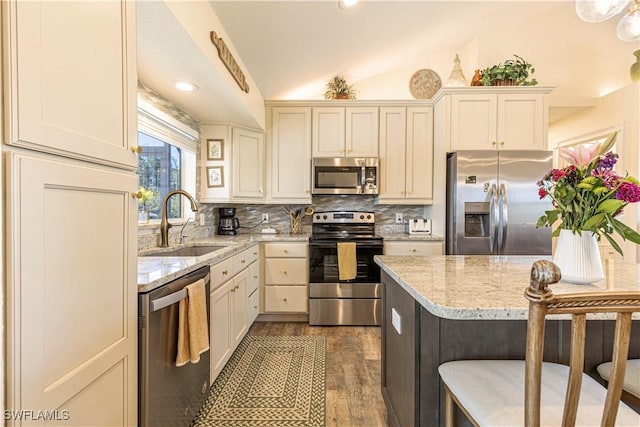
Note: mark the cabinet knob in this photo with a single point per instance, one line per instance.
(225, 272)
(285, 251)
(137, 195)
(255, 277)
(413, 250)
(284, 299)
(493, 143)
(501, 142)
(284, 271)
(136, 149)
(242, 261)
(232, 290)
(255, 307)
(255, 253)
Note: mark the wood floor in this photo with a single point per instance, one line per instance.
(353, 371)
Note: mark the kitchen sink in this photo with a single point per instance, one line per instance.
(187, 251)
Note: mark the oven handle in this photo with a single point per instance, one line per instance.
(332, 245)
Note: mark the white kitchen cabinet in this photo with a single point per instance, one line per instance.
(71, 294)
(247, 165)
(253, 293)
(512, 119)
(232, 287)
(345, 132)
(71, 79)
(408, 247)
(290, 155)
(406, 155)
(286, 277)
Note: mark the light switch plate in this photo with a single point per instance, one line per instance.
(201, 218)
(396, 321)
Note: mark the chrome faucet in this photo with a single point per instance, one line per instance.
(164, 223)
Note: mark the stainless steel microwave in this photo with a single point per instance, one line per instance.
(344, 175)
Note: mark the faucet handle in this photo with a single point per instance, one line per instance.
(182, 238)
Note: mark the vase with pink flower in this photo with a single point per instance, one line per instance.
(587, 198)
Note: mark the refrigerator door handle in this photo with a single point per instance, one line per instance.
(493, 210)
(502, 235)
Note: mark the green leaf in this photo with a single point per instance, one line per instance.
(610, 205)
(608, 143)
(614, 244)
(625, 231)
(594, 222)
(615, 224)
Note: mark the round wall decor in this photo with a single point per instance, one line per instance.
(424, 84)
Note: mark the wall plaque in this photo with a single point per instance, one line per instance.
(229, 61)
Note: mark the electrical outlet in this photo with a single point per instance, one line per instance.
(201, 218)
(265, 217)
(398, 217)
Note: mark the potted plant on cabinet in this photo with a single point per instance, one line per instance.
(513, 72)
(337, 88)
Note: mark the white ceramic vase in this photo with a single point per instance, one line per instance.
(578, 257)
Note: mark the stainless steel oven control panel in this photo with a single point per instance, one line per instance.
(341, 217)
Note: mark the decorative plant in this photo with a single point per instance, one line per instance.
(588, 194)
(337, 88)
(512, 72)
(146, 195)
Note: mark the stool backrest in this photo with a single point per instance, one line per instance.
(543, 302)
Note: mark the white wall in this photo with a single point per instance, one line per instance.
(620, 110)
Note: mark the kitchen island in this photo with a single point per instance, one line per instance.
(443, 308)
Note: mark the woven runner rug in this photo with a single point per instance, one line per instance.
(270, 381)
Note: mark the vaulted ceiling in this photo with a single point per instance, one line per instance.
(291, 48)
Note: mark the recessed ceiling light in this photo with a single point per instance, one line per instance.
(185, 86)
(347, 3)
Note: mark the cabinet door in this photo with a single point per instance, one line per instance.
(291, 155)
(419, 163)
(71, 289)
(361, 137)
(220, 317)
(392, 153)
(328, 132)
(72, 81)
(473, 122)
(522, 122)
(239, 309)
(248, 164)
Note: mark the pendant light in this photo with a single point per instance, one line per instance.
(628, 28)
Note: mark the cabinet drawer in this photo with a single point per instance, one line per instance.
(253, 306)
(285, 299)
(413, 248)
(245, 258)
(254, 278)
(285, 250)
(279, 271)
(221, 272)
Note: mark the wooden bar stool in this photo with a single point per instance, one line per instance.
(532, 392)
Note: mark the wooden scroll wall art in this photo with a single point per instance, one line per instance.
(229, 61)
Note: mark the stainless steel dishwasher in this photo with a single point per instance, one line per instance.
(168, 395)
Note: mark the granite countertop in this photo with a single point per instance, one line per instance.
(155, 271)
(410, 237)
(487, 287)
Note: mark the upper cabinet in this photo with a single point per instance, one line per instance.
(345, 132)
(406, 155)
(232, 164)
(289, 164)
(71, 79)
(509, 118)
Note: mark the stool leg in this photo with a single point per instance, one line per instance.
(449, 409)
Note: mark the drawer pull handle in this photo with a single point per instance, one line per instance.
(242, 261)
(225, 272)
(255, 253)
(255, 277)
(413, 250)
(286, 251)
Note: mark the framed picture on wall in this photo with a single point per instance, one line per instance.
(215, 149)
(215, 176)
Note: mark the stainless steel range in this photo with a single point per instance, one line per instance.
(344, 302)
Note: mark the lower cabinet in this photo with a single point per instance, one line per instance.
(286, 277)
(232, 305)
(404, 247)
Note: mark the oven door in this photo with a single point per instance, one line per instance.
(323, 262)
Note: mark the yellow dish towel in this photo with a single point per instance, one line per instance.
(347, 266)
(193, 331)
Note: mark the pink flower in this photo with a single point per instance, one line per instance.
(628, 192)
(556, 174)
(581, 155)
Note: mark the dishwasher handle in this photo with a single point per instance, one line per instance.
(167, 300)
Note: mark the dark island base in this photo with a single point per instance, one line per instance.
(412, 391)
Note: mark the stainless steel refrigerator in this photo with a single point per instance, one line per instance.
(493, 203)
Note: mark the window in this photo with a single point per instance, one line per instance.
(167, 161)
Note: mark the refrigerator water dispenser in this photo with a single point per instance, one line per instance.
(476, 219)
